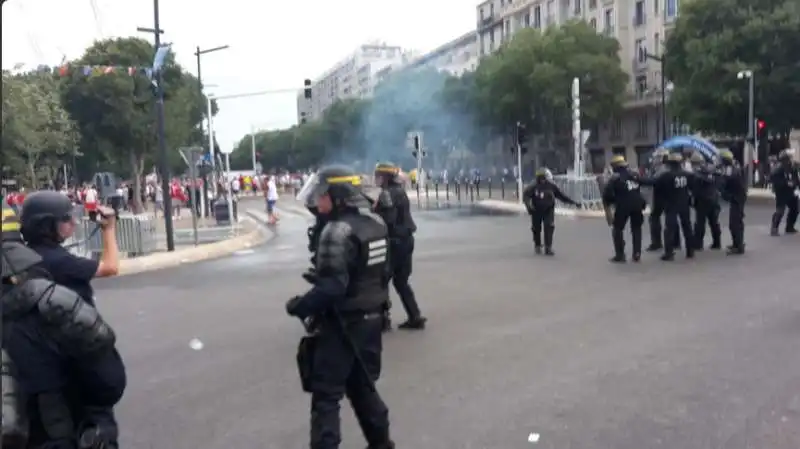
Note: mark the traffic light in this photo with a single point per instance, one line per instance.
(416, 143)
(302, 118)
(307, 89)
(761, 128)
(521, 135)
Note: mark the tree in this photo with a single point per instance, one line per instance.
(715, 39)
(529, 79)
(116, 111)
(37, 131)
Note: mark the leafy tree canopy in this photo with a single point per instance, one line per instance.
(715, 39)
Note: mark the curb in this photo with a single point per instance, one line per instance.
(193, 254)
(518, 209)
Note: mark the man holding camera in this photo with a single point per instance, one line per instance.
(79, 393)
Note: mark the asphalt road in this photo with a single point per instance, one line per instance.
(689, 355)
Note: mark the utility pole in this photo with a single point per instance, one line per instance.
(162, 144)
(198, 52)
(661, 61)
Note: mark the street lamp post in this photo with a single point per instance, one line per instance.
(660, 60)
(199, 52)
(750, 151)
(162, 144)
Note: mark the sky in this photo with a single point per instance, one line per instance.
(273, 45)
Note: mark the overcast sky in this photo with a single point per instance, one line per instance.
(274, 44)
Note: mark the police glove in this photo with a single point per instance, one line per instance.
(291, 305)
(310, 276)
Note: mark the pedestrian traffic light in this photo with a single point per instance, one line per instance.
(521, 136)
(416, 142)
(761, 127)
(307, 89)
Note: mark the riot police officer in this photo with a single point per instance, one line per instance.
(539, 198)
(706, 203)
(734, 190)
(785, 181)
(60, 347)
(342, 354)
(393, 206)
(657, 208)
(677, 184)
(623, 201)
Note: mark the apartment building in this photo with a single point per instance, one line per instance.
(640, 26)
(352, 77)
(455, 57)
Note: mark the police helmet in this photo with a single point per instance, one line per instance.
(387, 170)
(675, 157)
(10, 225)
(342, 183)
(697, 158)
(726, 157)
(618, 160)
(41, 214)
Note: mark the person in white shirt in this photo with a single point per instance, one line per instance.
(272, 198)
(159, 200)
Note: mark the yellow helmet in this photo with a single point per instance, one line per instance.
(675, 157)
(726, 155)
(618, 160)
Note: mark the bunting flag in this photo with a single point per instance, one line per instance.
(93, 70)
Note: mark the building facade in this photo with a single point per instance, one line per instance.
(640, 26)
(353, 77)
(455, 57)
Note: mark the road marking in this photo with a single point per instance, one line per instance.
(284, 247)
(244, 252)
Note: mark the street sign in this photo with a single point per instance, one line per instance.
(259, 168)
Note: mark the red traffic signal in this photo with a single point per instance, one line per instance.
(760, 125)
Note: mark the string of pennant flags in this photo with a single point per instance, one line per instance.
(94, 70)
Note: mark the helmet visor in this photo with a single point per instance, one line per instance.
(311, 191)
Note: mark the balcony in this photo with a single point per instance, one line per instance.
(486, 22)
(638, 66)
(642, 99)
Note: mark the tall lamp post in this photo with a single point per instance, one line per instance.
(749, 150)
(660, 60)
(199, 52)
(162, 144)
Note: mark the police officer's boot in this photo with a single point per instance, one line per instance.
(548, 240)
(655, 235)
(636, 236)
(619, 246)
(537, 241)
(389, 445)
(777, 216)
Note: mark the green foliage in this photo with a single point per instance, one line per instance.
(715, 39)
(528, 80)
(38, 134)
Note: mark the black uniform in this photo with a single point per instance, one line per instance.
(540, 199)
(343, 354)
(785, 183)
(60, 346)
(734, 191)
(677, 185)
(623, 193)
(395, 209)
(656, 211)
(706, 206)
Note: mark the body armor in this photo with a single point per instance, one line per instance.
(368, 263)
(403, 225)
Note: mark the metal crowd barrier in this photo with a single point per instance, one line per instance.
(587, 190)
(136, 236)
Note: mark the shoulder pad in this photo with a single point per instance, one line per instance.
(17, 258)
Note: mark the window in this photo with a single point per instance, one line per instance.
(641, 86)
(656, 9)
(593, 24)
(616, 129)
(608, 21)
(577, 8)
(592, 4)
(639, 13)
(527, 20)
(506, 29)
(537, 17)
(672, 8)
(491, 10)
(482, 14)
(641, 129)
(550, 12)
(640, 47)
(657, 44)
